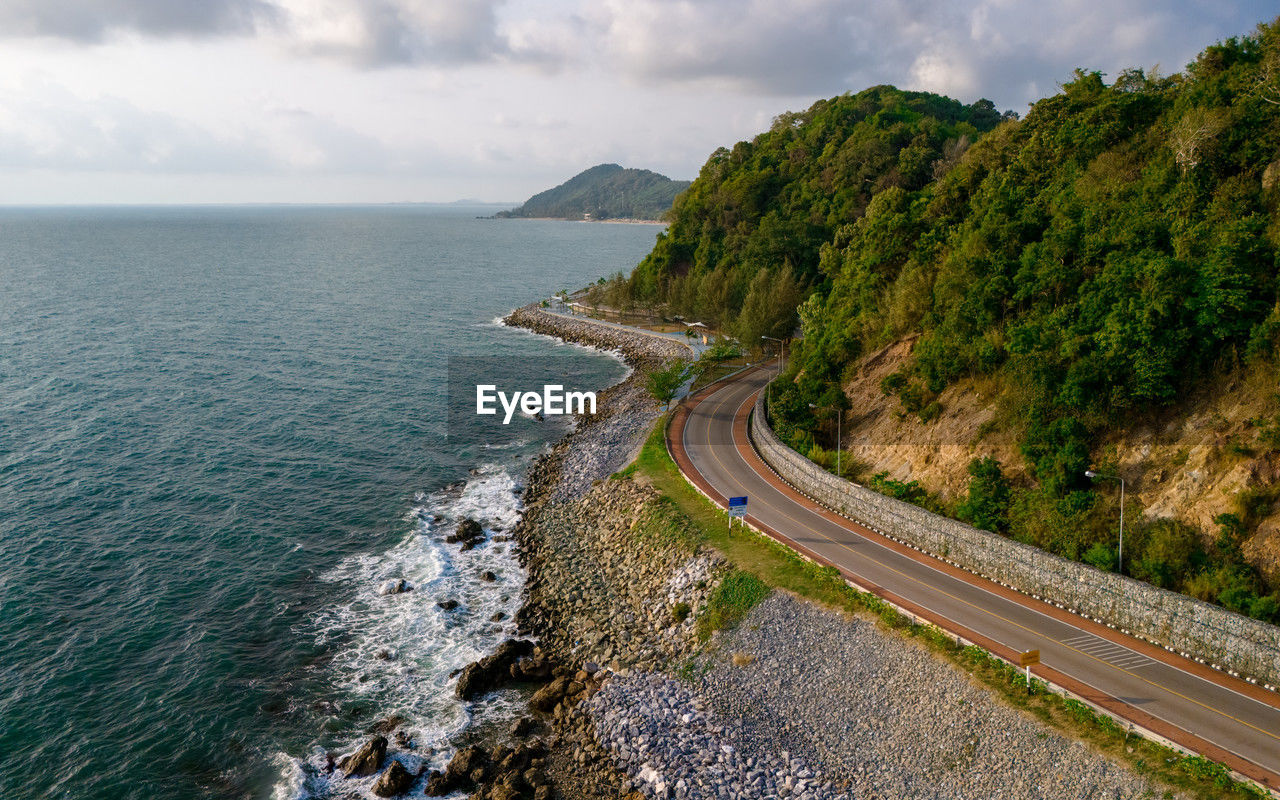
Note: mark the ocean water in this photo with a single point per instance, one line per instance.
(221, 430)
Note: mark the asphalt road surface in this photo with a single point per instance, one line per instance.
(1209, 712)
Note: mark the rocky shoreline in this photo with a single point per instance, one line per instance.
(596, 605)
(625, 700)
(596, 597)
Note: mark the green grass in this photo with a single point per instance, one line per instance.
(773, 564)
(680, 612)
(761, 564)
(735, 595)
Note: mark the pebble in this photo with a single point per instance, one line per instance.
(827, 706)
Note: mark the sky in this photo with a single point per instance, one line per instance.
(373, 101)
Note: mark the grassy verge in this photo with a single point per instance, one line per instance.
(730, 600)
(717, 371)
(760, 564)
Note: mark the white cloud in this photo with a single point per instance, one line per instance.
(993, 48)
(91, 22)
(383, 32)
(432, 99)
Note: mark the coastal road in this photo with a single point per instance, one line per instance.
(1201, 709)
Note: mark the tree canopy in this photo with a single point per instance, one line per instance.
(1100, 258)
(606, 191)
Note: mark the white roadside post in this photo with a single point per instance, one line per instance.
(1026, 660)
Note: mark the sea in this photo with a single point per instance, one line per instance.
(222, 432)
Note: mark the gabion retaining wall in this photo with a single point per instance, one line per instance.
(1208, 633)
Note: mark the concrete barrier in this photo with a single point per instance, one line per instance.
(1212, 635)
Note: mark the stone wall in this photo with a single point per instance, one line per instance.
(1205, 632)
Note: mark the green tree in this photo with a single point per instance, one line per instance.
(665, 381)
(987, 504)
(770, 307)
(1169, 553)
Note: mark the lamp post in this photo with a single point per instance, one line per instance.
(782, 362)
(1120, 555)
(839, 414)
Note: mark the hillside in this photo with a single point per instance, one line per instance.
(606, 191)
(747, 236)
(1092, 286)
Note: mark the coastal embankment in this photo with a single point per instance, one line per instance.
(647, 700)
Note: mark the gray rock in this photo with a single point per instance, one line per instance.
(394, 586)
(365, 761)
(395, 781)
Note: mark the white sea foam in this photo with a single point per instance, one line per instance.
(293, 779)
(613, 353)
(397, 651)
(516, 444)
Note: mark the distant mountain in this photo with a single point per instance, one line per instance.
(607, 191)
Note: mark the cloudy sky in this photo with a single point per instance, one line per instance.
(177, 101)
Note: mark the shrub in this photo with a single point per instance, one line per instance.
(1101, 557)
(680, 612)
(736, 594)
(1166, 552)
(987, 505)
(931, 411)
(906, 491)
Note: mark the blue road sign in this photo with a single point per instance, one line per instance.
(738, 506)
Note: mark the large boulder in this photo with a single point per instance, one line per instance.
(466, 761)
(467, 767)
(469, 534)
(395, 781)
(365, 761)
(493, 670)
(438, 784)
(546, 698)
(533, 669)
(395, 586)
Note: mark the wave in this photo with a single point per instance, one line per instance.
(394, 654)
(612, 352)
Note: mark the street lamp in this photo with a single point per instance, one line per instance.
(782, 362)
(839, 414)
(1094, 475)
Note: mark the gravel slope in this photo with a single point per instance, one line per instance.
(890, 719)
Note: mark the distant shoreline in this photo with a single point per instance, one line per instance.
(611, 220)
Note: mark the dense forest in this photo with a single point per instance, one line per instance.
(606, 191)
(1111, 251)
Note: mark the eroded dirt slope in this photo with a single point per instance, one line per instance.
(1190, 463)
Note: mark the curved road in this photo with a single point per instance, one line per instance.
(1228, 720)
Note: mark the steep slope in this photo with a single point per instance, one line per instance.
(749, 232)
(1200, 459)
(1095, 286)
